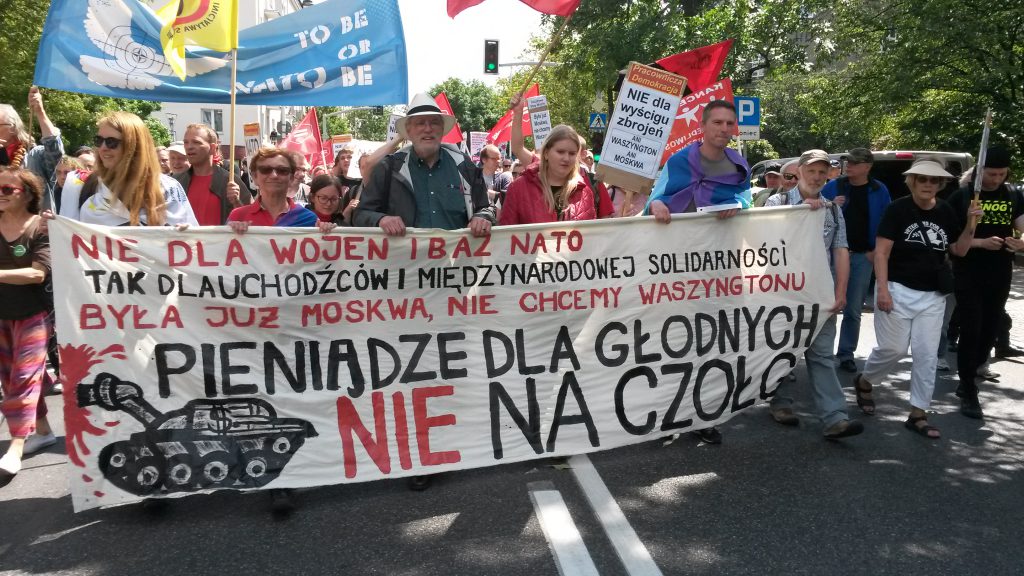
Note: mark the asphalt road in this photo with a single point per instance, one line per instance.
(769, 500)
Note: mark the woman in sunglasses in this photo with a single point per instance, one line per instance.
(24, 265)
(913, 277)
(128, 187)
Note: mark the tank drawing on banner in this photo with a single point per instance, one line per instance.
(222, 443)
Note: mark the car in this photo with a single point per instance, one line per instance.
(889, 166)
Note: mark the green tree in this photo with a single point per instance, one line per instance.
(361, 124)
(475, 104)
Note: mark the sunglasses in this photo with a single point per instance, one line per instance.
(928, 179)
(790, 177)
(110, 142)
(279, 170)
(8, 190)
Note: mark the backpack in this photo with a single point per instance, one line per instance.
(592, 181)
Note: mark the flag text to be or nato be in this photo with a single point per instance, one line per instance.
(359, 76)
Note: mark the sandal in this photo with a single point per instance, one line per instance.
(864, 400)
(926, 430)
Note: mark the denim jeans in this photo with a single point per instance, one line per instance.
(821, 369)
(856, 290)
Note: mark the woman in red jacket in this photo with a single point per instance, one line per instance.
(551, 190)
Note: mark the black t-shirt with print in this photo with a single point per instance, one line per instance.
(916, 253)
(1002, 207)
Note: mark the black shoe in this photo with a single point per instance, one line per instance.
(709, 435)
(420, 483)
(970, 407)
(848, 365)
(1008, 352)
(844, 429)
(281, 501)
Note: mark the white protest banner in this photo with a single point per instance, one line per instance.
(540, 119)
(392, 128)
(201, 359)
(640, 125)
(477, 141)
(253, 139)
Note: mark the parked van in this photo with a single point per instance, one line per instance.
(889, 167)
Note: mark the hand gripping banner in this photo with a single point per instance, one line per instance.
(204, 360)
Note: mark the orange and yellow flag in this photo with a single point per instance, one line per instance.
(211, 24)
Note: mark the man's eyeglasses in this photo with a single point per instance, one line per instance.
(110, 142)
(790, 177)
(8, 190)
(928, 179)
(280, 170)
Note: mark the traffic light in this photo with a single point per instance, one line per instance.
(490, 56)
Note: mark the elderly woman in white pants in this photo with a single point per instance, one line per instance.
(912, 280)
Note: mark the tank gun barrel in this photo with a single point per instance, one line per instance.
(111, 393)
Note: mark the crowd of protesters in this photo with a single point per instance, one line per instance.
(925, 254)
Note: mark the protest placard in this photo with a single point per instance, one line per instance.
(540, 119)
(641, 121)
(477, 140)
(204, 360)
(393, 126)
(253, 139)
(686, 129)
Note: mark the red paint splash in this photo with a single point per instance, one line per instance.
(99, 494)
(86, 477)
(75, 364)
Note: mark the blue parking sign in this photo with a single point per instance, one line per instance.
(748, 117)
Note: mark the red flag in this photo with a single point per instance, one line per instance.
(686, 129)
(700, 67)
(502, 131)
(554, 7)
(454, 136)
(304, 137)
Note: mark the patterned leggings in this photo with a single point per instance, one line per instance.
(22, 365)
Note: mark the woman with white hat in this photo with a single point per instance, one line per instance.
(913, 277)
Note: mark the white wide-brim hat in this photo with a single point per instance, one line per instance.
(928, 168)
(423, 105)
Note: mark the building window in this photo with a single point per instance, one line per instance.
(213, 118)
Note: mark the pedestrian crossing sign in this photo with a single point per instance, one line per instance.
(598, 122)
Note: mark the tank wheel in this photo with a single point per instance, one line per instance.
(148, 473)
(256, 468)
(118, 459)
(215, 471)
(282, 445)
(179, 472)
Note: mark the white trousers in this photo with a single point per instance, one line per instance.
(915, 321)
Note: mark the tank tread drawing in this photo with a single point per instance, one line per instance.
(208, 443)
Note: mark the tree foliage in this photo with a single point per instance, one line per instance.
(475, 104)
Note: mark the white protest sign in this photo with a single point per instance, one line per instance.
(641, 122)
(204, 359)
(392, 130)
(253, 139)
(540, 119)
(477, 140)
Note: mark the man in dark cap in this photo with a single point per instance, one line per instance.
(863, 199)
(983, 275)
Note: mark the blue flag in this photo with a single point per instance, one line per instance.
(339, 52)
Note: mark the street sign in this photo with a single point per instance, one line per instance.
(748, 117)
(598, 122)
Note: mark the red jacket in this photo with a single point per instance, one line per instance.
(524, 202)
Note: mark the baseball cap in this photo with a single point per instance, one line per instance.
(860, 156)
(812, 156)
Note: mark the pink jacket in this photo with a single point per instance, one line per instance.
(524, 202)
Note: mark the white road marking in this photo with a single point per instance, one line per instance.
(571, 555)
(632, 552)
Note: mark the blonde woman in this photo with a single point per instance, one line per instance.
(127, 187)
(551, 190)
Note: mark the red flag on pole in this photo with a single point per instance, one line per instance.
(304, 137)
(454, 136)
(502, 131)
(554, 7)
(700, 67)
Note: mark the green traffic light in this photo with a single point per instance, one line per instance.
(490, 66)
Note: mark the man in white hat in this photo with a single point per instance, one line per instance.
(426, 184)
(828, 392)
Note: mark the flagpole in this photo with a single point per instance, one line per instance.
(323, 159)
(543, 57)
(980, 166)
(234, 81)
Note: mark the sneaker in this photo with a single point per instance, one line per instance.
(709, 435)
(942, 365)
(848, 365)
(10, 464)
(986, 373)
(35, 443)
(844, 429)
(785, 416)
(971, 408)
(1008, 352)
